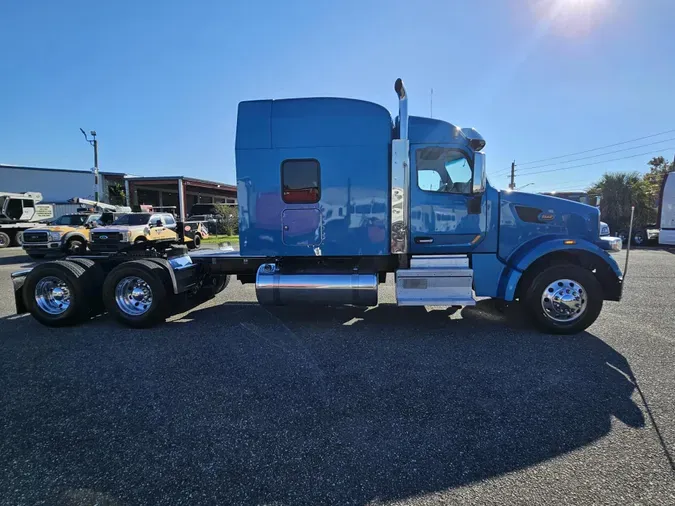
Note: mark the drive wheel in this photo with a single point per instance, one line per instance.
(135, 293)
(4, 240)
(564, 299)
(640, 238)
(55, 293)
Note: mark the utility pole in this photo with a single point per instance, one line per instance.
(94, 143)
(512, 186)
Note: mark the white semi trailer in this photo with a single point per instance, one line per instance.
(666, 219)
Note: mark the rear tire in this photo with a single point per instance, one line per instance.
(55, 293)
(135, 293)
(4, 240)
(18, 239)
(563, 299)
(197, 241)
(640, 238)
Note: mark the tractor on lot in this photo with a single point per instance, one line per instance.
(333, 195)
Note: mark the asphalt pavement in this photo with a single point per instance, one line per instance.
(232, 403)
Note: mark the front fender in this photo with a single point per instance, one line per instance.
(70, 235)
(525, 256)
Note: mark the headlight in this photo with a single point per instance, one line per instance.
(126, 236)
(54, 236)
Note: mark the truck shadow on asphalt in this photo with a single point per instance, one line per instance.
(315, 405)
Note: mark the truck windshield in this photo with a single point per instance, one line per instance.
(133, 219)
(71, 219)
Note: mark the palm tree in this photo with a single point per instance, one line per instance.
(620, 191)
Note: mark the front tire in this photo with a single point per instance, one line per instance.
(135, 293)
(76, 246)
(563, 299)
(55, 293)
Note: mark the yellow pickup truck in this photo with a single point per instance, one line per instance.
(137, 229)
(69, 234)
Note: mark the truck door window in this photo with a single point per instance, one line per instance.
(14, 209)
(443, 170)
(300, 181)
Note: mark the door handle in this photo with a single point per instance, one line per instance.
(423, 240)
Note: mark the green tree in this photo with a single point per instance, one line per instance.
(658, 168)
(116, 194)
(620, 191)
(228, 219)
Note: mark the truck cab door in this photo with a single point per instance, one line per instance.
(445, 215)
(157, 228)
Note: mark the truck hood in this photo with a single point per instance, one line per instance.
(120, 228)
(526, 217)
(61, 228)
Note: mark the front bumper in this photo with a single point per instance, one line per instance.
(43, 247)
(652, 234)
(108, 247)
(611, 244)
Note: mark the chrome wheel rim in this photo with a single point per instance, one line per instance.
(133, 296)
(564, 301)
(52, 295)
(638, 239)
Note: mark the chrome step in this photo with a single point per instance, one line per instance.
(436, 281)
(429, 261)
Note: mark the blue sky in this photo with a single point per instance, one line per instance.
(160, 81)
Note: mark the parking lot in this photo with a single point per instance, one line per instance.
(232, 403)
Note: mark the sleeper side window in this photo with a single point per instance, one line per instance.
(300, 181)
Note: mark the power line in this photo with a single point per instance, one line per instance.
(596, 163)
(601, 147)
(596, 156)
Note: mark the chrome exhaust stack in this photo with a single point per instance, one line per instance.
(399, 88)
(400, 177)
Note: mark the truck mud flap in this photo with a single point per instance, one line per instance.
(18, 279)
(182, 272)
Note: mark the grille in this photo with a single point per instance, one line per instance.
(32, 237)
(106, 237)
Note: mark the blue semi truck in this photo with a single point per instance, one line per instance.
(333, 195)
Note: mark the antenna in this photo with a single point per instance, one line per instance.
(431, 103)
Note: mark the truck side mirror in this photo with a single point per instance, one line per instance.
(478, 185)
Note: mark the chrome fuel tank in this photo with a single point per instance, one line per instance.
(274, 287)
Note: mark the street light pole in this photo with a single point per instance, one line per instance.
(94, 143)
